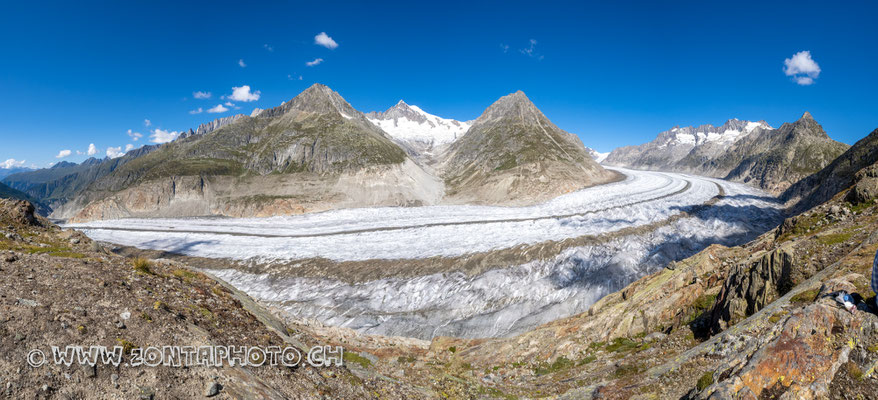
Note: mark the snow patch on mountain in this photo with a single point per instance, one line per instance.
(410, 123)
(726, 134)
(596, 155)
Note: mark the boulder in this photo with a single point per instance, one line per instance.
(17, 211)
(864, 191)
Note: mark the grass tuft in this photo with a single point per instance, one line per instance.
(142, 266)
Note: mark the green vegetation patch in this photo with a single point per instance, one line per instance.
(355, 358)
(628, 370)
(560, 364)
(806, 296)
(705, 380)
(622, 345)
(142, 266)
(835, 238)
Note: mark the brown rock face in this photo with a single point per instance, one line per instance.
(17, 211)
(800, 362)
(753, 284)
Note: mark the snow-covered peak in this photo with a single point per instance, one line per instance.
(410, 123)
(727, 133)
(596, 155)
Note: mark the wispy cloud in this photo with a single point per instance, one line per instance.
(802, 68)
(322, 39)
(147, 123)
(294, 78)
(163, 136)
(136, 135)
(63, 153)
(12, 163)
(268, 47)
(316, 61)
(504, 47)
(218, 109)
(201, 95)
(198, 110)
(92, 150)
(241, 63)
(243, 94)
(532, 50)
(128, 147)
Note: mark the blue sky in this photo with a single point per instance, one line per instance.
(615, 73)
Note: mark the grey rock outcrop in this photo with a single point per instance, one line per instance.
(752, 284)
(866, 188)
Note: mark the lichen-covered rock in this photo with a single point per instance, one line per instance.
(799, 362)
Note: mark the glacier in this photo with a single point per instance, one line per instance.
(493, 303)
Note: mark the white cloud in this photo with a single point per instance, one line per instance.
(293, 78)
(63, 153)
(218, 109)
(92, 150)
(115, 152)
(128, 147)
(324, 40)
(505, 47)
(241, 63)
(198, 110)
(268, 47)
(243, 94)
(147, 122)
(136, 135)
(201, 95)
(12, 163)
(316, 61)
(229, 103)
(802, 68)
(163, 136)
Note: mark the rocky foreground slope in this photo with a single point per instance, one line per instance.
(740, 151)
(59, 288)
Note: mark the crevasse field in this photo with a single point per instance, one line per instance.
(498, 302)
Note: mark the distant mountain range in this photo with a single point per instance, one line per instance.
(741, 151)
(4, 172)
(316, 152)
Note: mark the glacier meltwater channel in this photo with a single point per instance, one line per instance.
(496, 302)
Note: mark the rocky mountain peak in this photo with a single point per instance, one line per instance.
(513, 105)
(318, 99)
(804, 127)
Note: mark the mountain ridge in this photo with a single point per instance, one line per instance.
(742, 151)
